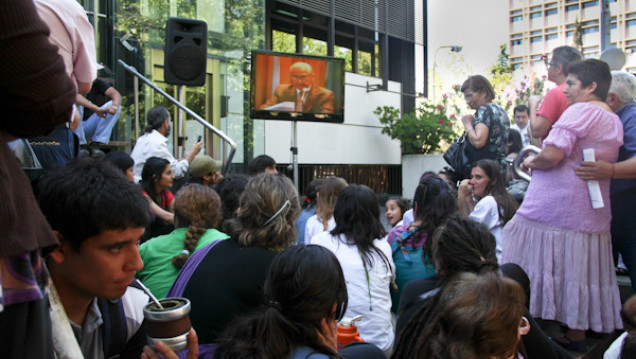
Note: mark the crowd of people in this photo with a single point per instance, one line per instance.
(462, 272)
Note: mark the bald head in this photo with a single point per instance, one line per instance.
(302, 75)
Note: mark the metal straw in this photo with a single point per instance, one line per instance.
(154, 299)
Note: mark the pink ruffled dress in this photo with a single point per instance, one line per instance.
(559, 239)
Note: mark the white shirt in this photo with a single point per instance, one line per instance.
(376, 326)
(524, 134)
(154, 144)
(487, 212)
(614, 351)
(89, 336)
(314, 227)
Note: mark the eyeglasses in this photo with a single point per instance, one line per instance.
(524, 326)
(469, 96)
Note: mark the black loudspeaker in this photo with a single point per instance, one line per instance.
(186, 51)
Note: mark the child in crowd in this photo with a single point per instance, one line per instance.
(395, 208)
(433, 202)
(323, 219)
(308, 204)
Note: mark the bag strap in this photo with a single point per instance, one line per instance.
(114, 330)
(177, 288)
(401, 243)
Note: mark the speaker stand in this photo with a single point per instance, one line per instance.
(180, 132)
(294, 151)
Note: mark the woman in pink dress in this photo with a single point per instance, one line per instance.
(556, 236)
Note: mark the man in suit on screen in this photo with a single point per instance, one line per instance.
(302, 93)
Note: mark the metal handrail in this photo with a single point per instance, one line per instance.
(516, 165)
(201, 120)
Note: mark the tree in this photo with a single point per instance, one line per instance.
(577, 39)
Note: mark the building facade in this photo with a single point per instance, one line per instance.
(538, 26)
(379, 40)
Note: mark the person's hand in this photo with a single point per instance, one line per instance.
(533, 102)
(196, 148)
(596, 170)
(112, 109)
(468, 120)
(526, 165)
(168, 353)
(328, 333)
(464, 189)
(101, 112)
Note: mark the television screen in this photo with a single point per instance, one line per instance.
(296, 87)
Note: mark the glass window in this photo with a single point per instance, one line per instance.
(590, 4)
(590, 30)
(631, 22)
(345, 53)
(569, 33)
(314, 46)
(516, 18)
(535, 39)
(535, 15)
(364, 63)
(572, 7)
(283, 41)
(551, 12)
(517, 42)
(551, 37)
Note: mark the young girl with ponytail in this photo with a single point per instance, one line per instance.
(197, 213)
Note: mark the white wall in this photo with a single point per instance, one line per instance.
(358, 140)
(413, 167)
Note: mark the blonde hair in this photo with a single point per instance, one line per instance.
(197, 207)
(264, 218)
(327, 196)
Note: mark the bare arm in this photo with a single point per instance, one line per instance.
(600, 170)
(194, 151)
(160, 212)
(87, 104)
(115, 96)
(83, 87)
(478, 135)
(539, 125)
(75, 121)
(465, 198)
(548, 157)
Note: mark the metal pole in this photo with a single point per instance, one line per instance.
(605, 25)
(206, 124)
(136, 94)
(294, 150)
(180, 145)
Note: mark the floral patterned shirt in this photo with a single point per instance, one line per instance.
(496, 118)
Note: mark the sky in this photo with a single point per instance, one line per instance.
(479, 26)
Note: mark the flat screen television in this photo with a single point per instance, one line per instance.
(296, 87)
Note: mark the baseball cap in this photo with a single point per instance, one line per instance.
(204, 165)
